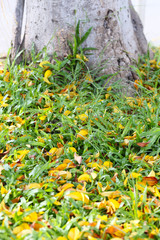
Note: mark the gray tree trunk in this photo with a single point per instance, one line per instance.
(117, 31)
(17, 27)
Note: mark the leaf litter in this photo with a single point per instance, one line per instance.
(78, 161)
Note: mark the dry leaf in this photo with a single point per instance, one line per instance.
(32, 217)
(114, 177)
(48, 73)
(135, 175)
(151, 181)
(61, 238)
(108, 164)
(20, 228)
(79, 196)
(43, 64)
(46, 80)
(152, 174)
(33, 185)
(84, 177)
(82, 134)
(115, 231)
(65, 187)
(36, 226)
(143, 144)
(74, 234)
(3, 190)
(72, 149)
(77, 158)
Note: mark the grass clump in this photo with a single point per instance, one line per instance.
(78, 161)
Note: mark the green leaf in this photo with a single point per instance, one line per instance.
(75, 47)
(127, 128)
(77, 33)
(85, 36)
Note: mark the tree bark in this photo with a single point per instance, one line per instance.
(117, 31)
(17, 27)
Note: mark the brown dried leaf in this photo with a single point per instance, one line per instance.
(77, 158)
(151, 181)
(143, 144)
(114, 177)
(115, 231)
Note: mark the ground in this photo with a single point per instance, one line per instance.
(78, 160)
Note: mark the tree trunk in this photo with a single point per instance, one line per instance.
(117, 31)
(17, 27)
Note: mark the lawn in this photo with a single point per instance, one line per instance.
(79, 160)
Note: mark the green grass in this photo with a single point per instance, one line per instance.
(110, 187)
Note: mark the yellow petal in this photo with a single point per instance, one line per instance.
(79, 196)
(82, 134)
(111, 194)
(134, 175)
(48, 73)
(156, 192)
(83, 223)
(4, 209)
(65, 186)
(67, 112)
(115, 203)
(33, 185)
(61, 166)
(65, 174)
(59, 195)
(57, 203)
(24, 232)
(108, 164)
(74, 234)
(125, 181)
(84, 177)
(32, 217)
(20, 120)
(52, 151)
(94, 175)
(109, 89)
(107, 95)
(152, 174)
(121, 126)
(141, 186)
(43, 64)
(72, 149)
(3, 190)
(59, 151)
(116, 110)
(83, 117)
(42, 118)
(82, 57)
(20, 228)
(95, 166)
(40, 139)
(61, 238)
(102, 218)
(46, 80)
(22, 153)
